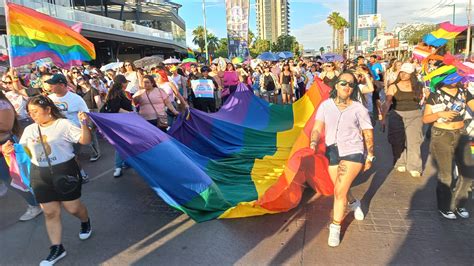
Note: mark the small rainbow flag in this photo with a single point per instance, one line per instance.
(191, 53)
(34, 35)
(445, 32)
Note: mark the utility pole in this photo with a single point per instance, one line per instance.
(469, 33)
(205, 29)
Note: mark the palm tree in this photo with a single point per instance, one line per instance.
(332, 20)
(341, 25)
(212, 43)
(321, 50)
(198, 38)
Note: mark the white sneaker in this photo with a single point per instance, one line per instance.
(463, 213)
(355, 207)
(3, 189)
(415, 173)
(334, 235)
(448, 215)
(401, 169)
(31, 212)
(118, 172)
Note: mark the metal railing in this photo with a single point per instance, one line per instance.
(70, 14)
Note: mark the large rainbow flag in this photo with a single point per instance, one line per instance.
(250, 158)
(34, 35)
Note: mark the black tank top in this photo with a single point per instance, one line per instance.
(405, 100)
(286, 79)
(330, 81)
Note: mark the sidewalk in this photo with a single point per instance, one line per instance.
(133, 226)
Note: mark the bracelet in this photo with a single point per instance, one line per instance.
(313, 142)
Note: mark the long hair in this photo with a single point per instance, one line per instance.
(416, 86)
(45, 102)
(151, 79)
(16, 130)
(116, 90)
(163, 76)
(355, 95)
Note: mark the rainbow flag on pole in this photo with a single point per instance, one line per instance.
(250, 158)
(445, 32)
(191, 53)
(34, 35)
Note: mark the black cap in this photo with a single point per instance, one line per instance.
(57, 79)
(205, 69)
(120, 79)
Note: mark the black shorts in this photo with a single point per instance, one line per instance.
(42, 183)
(332, 153)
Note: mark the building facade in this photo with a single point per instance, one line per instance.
(120, 29)
(356, 8)
(273, 19)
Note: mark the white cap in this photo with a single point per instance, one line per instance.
(407, 68)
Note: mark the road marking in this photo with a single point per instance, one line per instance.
(102, 174)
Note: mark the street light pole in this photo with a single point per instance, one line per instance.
(205, 29)
(469, 33)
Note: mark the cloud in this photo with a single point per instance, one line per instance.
(317, 34)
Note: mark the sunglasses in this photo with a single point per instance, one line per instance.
(127, 64)
(8, 82)
(346, 83)
(75, 72)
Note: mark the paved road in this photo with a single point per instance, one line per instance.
(133, 226)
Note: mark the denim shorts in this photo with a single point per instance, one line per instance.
(332, 153)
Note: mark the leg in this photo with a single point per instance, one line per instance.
(95, 143)
(52, 216)
(346, 173)
(76, 208)
(118, 160)
(466, 176)
(396, 137)
(414, 137)
(442, 151)
(5, 177)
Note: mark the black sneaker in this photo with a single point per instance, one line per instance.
(448, 215)
(463, 213)
(85, 178)
(86, 230)
(56, 253)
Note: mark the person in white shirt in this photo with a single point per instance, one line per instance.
(54, 172)
(70, 105)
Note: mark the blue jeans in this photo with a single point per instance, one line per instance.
(5, 177)
(118, 161)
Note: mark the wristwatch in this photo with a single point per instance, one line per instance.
(370, 158)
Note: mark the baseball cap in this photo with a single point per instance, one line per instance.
(57, 79)
(407, 68)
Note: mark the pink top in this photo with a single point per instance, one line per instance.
(230, 78)
(157, 97)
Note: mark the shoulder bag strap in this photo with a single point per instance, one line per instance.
(44, 149)
(151, 103)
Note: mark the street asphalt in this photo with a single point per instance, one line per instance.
(131, 225)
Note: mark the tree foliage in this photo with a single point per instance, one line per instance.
(414, 35)
(339, 25)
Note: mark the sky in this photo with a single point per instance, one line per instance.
(308, 17)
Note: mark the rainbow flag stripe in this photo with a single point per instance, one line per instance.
(250, 158)
(34, 35)
(445, 32)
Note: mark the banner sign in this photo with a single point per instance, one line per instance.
(237, 12)
(369, 21)
(203, 88)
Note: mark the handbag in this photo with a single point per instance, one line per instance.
(63, 183)
(162, 119)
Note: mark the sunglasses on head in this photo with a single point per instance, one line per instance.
(346, 83)
(8, 82)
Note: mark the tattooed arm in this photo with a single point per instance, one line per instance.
(316, 134)
(369, 145)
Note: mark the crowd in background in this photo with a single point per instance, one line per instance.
(391, 92)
